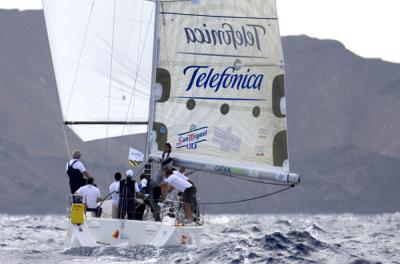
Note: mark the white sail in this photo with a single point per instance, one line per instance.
(222, 103)
(102, 54)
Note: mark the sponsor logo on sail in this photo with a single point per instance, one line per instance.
(260, 151)
(248, 35)
(226, 139)
(229, 170)
(262, 133)
(192, 138)
(208, 78)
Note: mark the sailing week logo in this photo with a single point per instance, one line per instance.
(193, 137)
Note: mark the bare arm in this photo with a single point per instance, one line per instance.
(86, 174)
(165, 189)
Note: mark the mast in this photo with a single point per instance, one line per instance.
(153, 79)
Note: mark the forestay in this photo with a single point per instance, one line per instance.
(222, 105)
(102, 55)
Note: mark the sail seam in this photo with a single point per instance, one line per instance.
(220, 98)
(137, 73)
(219, 16)
(110, 85)
(220, 55)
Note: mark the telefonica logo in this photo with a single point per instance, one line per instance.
(246, 35)
(208, 78)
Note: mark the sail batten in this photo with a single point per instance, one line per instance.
(102, 55)
(105, 123)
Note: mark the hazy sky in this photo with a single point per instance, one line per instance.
(367, 27)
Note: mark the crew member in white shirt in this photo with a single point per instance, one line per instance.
(114, 190)
(91, 196)
(181, 174)
(175, 182)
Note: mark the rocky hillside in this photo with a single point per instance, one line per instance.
(343, 131)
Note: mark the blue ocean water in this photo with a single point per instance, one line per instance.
(297, 238)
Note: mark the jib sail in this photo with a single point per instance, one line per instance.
(102, 54)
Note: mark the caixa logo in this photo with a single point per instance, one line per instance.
(192, 138)
(230, 170)
(222, 169)
(260, 151)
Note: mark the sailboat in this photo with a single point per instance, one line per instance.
(205, 75)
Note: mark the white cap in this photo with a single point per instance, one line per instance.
(129, 173)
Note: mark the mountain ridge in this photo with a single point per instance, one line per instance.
(341, 121)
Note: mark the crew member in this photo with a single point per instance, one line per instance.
(166, 157)
(91, 195)
(114, 190)
(152, 194)
(175, 182)
(126, 204)
(181, 174)
(76, 172)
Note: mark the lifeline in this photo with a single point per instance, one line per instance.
(208, 79)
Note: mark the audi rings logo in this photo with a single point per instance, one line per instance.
(260, 151)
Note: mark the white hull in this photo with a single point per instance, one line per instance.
(99, 231)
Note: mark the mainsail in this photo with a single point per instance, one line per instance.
(102, 54)
(222, 104)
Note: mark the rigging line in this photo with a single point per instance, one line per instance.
(256, 181)
(132, 137)
(80, 57)
(250, 199)
(140, 21)
(136, 77)
(66, 142)
(110, 85)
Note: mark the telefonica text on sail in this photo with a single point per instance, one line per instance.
(247, 35)
(208, 78)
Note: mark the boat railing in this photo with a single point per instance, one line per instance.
(144, 208)
(174, 209)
